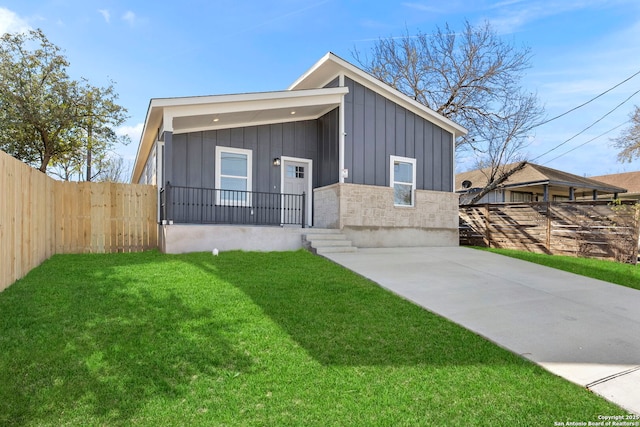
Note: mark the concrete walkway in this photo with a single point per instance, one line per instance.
(584, 330)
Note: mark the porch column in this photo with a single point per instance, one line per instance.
(595, 194)
(167, 173)
(572, 194)
(546, 192)
(159, 172)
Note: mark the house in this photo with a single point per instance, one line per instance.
(628, 180)
(533, 183)
(337, 150)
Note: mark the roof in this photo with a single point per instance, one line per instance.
(331, 65)
(628, 180)
(307, 97)
(532, 175)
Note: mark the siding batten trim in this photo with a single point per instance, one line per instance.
(341, 137)
(453, 162)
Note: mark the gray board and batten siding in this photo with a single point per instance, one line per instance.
(192, 161)
(190, 164)
(375, 128)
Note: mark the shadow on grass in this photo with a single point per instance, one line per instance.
(80, 333)
(103, 337)
(340, 318)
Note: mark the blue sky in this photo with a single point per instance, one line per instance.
(164, 49)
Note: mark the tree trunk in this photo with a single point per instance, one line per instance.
(44, 163)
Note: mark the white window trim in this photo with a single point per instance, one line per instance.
(392, 181)
(218, 164)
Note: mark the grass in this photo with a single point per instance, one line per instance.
(614, 272)
(248, 339)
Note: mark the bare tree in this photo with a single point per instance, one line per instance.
(113, 169)
(629, 139)
(472, 78)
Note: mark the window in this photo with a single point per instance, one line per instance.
(233, 176)
(295, 171)
(518, 196)
(403, 180)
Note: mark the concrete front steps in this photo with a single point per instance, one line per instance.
(325, 240)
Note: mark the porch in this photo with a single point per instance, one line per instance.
(196, 219)
(192, 205)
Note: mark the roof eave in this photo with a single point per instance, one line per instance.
(185, 106)
(137, 168)
(368, 80)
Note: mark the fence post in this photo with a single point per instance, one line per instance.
(167, 200)
(487, 223)
(163, 204)
(636, 231)
(303, 214)
(548, 236)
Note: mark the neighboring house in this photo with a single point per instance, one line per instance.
(628, 180)
(338, 149)
(533, 183)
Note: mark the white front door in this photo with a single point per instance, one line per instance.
(296, 179)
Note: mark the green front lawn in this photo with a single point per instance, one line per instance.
(614, 272)
(242, 339)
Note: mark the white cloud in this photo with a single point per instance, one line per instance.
(512, 15)
(129, 152)
(449, 7)
(105, 14)
(10, 22)
(505, 3)
(424, 7)
(134, 132)
(130, 17)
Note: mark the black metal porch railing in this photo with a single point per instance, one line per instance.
(190, 205)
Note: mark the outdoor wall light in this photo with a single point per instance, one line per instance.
(276, 161)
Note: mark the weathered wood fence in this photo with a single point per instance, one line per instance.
(40, 217)
(593, 229)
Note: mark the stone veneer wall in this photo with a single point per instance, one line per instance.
(367, 215)
(326, 206)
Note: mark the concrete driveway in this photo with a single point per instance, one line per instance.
(584, 330)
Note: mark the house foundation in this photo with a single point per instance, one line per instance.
(182, 238)
(367, 215)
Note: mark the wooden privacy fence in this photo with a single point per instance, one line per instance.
(105, 217)
(40, 217)
(594, 229)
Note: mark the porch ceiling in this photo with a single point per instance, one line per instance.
(227, 111)
(562, 189)
(251, 117)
